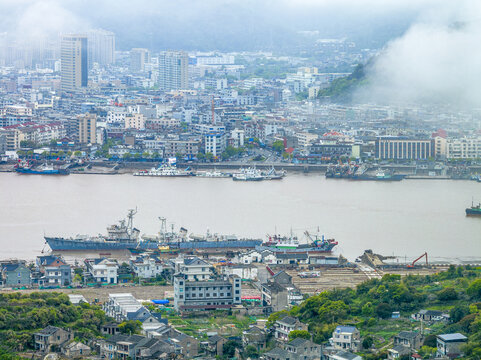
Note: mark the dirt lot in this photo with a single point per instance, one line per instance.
(348, 277)
(102, 294)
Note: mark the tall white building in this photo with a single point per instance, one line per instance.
(138, 58)
(101, 45)
(173, 70)
(74, 62)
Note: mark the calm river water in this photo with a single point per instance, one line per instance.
(401, 218)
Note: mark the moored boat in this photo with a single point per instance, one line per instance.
(165, 170)
(474, 210)
(44, 169)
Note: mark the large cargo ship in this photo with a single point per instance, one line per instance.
(124, 236)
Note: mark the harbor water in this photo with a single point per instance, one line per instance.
(403, 218)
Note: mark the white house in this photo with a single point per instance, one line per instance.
(146, 267)
(103, 270)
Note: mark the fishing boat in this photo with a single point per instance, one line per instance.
(474, 210)
(25, 167)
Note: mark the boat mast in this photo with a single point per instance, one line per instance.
(130, 222)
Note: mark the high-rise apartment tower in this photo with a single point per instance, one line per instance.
(74, 62)
(173, 70)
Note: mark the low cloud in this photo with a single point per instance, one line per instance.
(437, 61)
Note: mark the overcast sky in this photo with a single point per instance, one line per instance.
(204, 24)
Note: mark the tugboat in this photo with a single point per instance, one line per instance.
(45, 169)
(474, 210)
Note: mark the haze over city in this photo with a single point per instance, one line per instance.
(240, 180)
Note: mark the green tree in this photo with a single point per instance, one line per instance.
(383, 310)
(145, 155)
(367, 342)
(77, 153)
(303, 334)
(229, 348)
(474, 290)
(430, 340)
(251, 352)
(275, 316)
(209, 156)
(447, 294)
(278, 146)
(127, 155)
(130, 327)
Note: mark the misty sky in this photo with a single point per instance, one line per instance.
(215, 24)
(430, 47)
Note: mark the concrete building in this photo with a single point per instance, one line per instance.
(450, 345)
(237, 136)
(87, 128)
(101, 47)
(55, 271)
(274, 296)
(398, 148)
(14, 275)
(138, 58)
(146, 267)
(119, 306)
(193, 268)
(346, 338)
(74, 62)
(173, 70)
(284, 326)
(103, 270)
(215, 143)
(135, 121)
(463, 148)
(50, 336)
(222, 293)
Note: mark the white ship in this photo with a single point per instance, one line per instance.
(165, 170)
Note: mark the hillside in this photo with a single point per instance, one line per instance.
(342, 89)
(369, 308)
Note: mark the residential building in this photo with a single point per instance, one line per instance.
(50, 336)
(193, 268)
(14, 274)
(173, 70)
(430, 315)
(346, 338)
(463, 148)
(237, 136)
(411, 339)
(256, 337)
(120, 306)
(214, 345)
(344, 355)
(74, 62)
(450, 345)
(75, 349)
(146, 267)
(304, 349)
(87, 128)
(103, 270)
(274, 297)
(222, 293)
(101, 47)
(397, 351)
(284, 326)
(54, 270)
(138, 58)
(134, 121)
(399, 148)
(215, 143)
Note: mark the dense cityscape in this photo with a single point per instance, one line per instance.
(83, 105)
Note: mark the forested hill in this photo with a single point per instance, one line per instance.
(342, 89)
